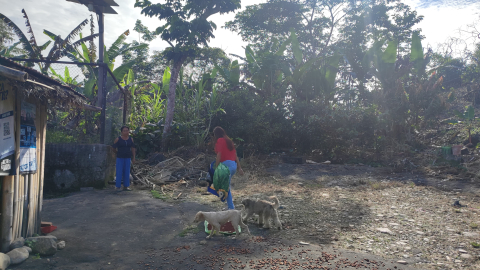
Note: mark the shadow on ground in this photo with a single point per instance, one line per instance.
(131, 230)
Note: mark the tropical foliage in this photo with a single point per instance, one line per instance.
(333, 77)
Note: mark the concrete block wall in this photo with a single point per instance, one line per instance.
(72, 166)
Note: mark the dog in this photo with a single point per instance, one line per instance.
(265, 211)
(217, 219)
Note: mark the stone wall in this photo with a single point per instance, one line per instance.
(72, 166)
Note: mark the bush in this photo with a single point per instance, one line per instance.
(56, 136)
(247, 119)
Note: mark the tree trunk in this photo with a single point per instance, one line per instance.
(167, 128)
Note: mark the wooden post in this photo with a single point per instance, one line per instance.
(9, 184)
(7, 211)
(26, 199)
(41, 166)
(102, 95)
(15, 206)
(13, 74)
(31, 206)
(21, 200)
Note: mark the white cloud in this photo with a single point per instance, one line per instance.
(444, 19)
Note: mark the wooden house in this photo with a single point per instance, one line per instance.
(25, 96)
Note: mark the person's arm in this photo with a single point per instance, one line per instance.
(217, 160)
(239, 167)
(133, 152)
(115, 145)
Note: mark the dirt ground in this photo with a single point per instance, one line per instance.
(350, 216)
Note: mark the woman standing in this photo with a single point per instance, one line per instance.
(227, 155)
(125, 156)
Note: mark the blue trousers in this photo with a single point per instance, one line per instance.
(123, 172)
(232, 166)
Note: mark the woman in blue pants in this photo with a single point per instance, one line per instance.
(125, 156)
(227, 155)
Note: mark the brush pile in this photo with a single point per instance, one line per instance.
(170, 170)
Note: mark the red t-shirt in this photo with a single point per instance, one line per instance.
(226, 154)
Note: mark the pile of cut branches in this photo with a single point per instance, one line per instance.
(171, 170)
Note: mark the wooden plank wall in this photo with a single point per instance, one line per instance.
(8, 187)
(23, 194)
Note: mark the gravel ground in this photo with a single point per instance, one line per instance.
(400, 217)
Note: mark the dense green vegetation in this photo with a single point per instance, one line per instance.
(344, 79)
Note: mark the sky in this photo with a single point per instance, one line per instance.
(442, 19)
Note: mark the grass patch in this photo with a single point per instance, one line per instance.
(474, 225)
(29, 243)
(475, 244)
(314, 185)
(189, 229)
(374, 185)
(158, 195)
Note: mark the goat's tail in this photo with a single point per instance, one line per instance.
(277, 203)
(243, 206)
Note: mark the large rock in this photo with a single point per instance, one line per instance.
(43, 245)
(61, 245)
(4, 261)
(28, 249)
(18, 255)
(17, 243)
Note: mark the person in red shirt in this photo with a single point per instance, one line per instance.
(227, 155)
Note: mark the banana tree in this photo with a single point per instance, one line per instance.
(146, 103)
(66, 78)
(34, 51)
(468, 116)
(11, 50)
(118, 48)
(61, 47)
(29, 45)
(273, 72)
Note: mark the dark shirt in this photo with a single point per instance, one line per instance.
(124, 147)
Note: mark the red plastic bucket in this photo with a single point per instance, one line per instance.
(48, 229)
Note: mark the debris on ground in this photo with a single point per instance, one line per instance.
(170, 170)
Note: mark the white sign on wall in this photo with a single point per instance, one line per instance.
(7, 132)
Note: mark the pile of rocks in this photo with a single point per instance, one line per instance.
(21, 248)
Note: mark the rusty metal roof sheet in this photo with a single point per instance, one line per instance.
(104, 5)
(56, 93)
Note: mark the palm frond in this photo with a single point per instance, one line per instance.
(23, 39)
(50, 34)
(80, 41)
(32, 40)
(71, 47)
(44, 46)
(115, 47)
(132, 48)
(54, 51)
(74, 33)
(7, 51)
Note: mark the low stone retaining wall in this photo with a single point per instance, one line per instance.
(72, 166)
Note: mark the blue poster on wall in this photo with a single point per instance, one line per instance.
(28, 139)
